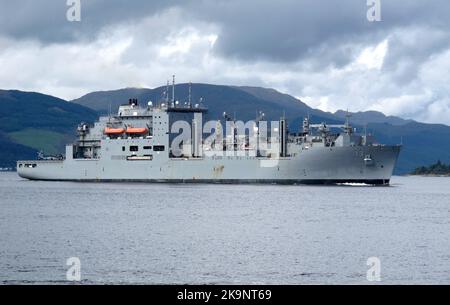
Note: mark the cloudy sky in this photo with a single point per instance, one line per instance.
(325, 52)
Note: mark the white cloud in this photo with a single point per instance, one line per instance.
(405, 105)
(373, 57)
(368, 84)
(145, 52)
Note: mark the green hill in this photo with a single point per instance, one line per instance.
(32, 121)
(11, 151)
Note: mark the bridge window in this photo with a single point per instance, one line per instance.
(158, 148)
(147, 147)
(134, 148)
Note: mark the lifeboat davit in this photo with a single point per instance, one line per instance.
(109, 130)
(136, 130)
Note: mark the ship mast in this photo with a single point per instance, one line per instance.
(173, 89)
(167, 92)
(190, 95)
(347, 127)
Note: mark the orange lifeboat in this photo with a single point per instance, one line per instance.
(114, 131)
(136, 130)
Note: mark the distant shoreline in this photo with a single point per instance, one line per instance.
(439, 169)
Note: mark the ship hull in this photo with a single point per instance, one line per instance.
(321, 165)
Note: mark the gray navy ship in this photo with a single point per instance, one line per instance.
(144, 143)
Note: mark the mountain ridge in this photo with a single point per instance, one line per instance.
(372, 116)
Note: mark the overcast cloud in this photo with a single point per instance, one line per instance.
(324, 52)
